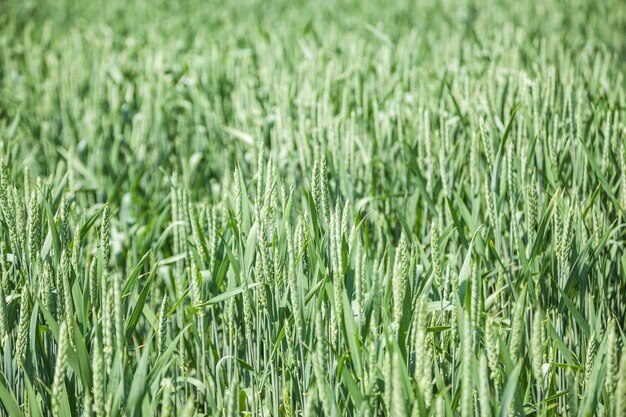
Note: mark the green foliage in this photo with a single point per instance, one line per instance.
(312, 208)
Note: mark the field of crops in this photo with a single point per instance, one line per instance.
(313, 208)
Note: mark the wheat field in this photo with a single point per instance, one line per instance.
(298, 208)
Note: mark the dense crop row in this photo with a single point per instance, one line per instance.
(313, 209)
